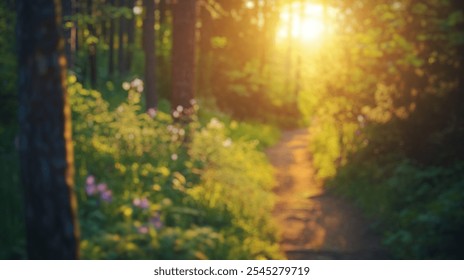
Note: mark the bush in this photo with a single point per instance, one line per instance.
(419, 209)
(150, 187)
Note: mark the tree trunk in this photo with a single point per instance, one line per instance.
(130, 37)
(151, 98)
(111, 45)
(122, 32)
(46, 150)
(183, 53)
(92, 48)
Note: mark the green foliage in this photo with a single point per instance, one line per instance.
(383, 105)
(171, 190)
(418, 208)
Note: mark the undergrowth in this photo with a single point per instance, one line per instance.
(150, 187)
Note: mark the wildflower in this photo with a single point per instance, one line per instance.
(126, 86)
(102, 187)
(227, 143)
(139, 88)
(90, 180)
(174, 157)
(107, 195)
(142, 229)
(156, 222)
(176, 114)
(214, 123)
(90, 189)
(141, 203)
(136, 83)
(152, 112)
(179, 108)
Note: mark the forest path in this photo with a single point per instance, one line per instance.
(315, 224)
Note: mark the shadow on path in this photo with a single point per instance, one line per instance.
(315, 224)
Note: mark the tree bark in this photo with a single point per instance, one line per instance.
(111, 45)
(92, 48)
(45, 145)
(183, 53)
(151, 98)
(122, 32)
(130, 37)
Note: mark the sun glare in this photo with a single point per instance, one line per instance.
(305, 23)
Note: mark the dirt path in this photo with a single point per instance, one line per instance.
(315, 225)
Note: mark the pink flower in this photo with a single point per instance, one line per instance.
(90, 180)
(142, 229)
(102, 187)
(141, 203)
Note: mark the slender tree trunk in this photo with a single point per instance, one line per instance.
(122, 32)
(183, 53)
(205, 57)
(151, 98)
(130, 37)
(163, 60)
(111, 44)
(46, 151)
(92, 48)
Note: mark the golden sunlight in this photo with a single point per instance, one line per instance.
(303, 21)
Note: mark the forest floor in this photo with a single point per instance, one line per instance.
(315, 224)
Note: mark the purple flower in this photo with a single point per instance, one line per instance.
(102, 187)
(141, 202)
(142, 229)
(90, 189)
(156, 222)
(106, 195)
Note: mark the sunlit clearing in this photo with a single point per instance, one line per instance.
(306, 23)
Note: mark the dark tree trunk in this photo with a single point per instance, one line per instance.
(151, 98)
(75, 35)
(92, 48)
(163, 9)
(130, 37)
(205, 54)
(45, 133)
(111, 44)
(122, 32)
(183, 53)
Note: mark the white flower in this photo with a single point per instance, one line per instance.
(151, 112)
(227, 143)
(136, 83)
(174, 156)
(126, 86)
(179, 108)
(214, 123)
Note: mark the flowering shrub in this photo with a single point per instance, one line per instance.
(150, 187)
